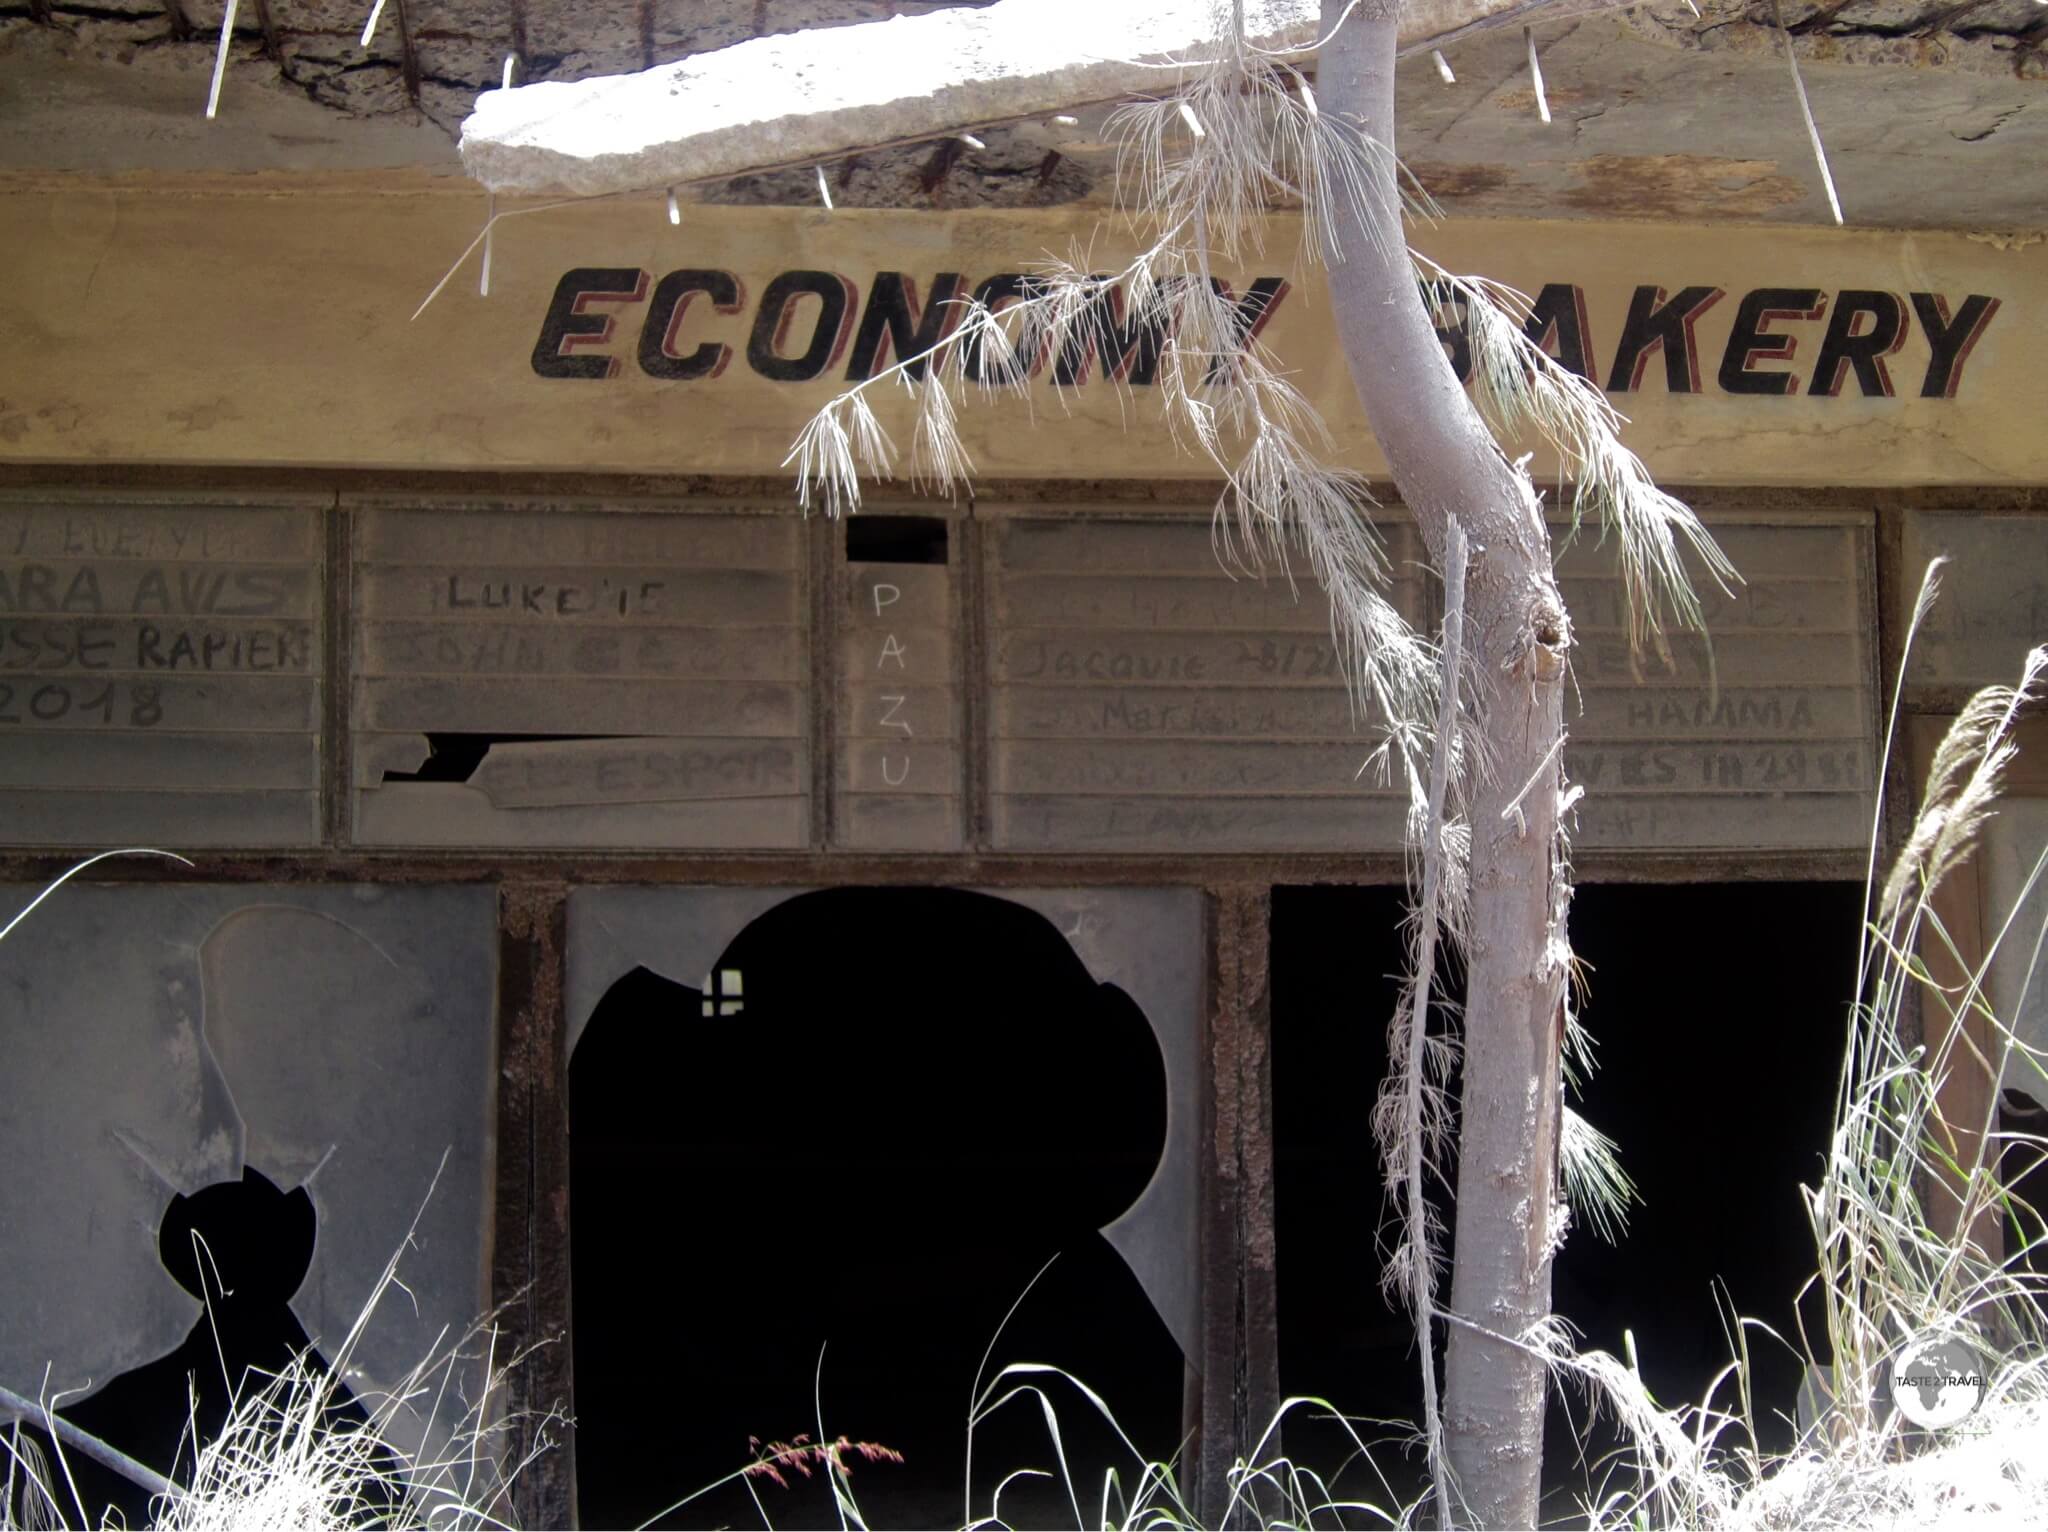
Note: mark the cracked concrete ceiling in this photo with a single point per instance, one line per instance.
(1934, 115)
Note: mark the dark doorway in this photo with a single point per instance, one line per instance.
(1719, 1013)
(1337, 960)
(2023, 1168)
(866, 1129)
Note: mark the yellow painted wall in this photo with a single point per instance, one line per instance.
(225, 323)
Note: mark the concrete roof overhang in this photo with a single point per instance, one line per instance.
(1934, 113)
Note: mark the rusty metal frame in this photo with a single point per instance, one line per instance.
(530, 1218)
(1240, 1365)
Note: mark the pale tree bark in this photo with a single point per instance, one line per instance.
(1449, 469)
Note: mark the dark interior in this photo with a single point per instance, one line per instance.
(875, 538)
(2023, 1168)
(808, 1211)
(1716, 1077)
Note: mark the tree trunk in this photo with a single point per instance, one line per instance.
(1448, 468)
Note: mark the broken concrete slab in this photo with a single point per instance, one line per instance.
(778, 101)
(1932, 116)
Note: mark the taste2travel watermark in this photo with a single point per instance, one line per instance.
(1937, 1379)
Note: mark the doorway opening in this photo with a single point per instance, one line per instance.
(1337, 959)
(2023, 1168)
(1720, 1015)
(1718, 1012)
(806, 1189)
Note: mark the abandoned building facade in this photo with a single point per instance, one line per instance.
(696, 932)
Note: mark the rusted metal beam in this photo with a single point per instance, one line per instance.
(939, 166)
(1240, 1360)
(1942, 20)
(530, 1256)
(515, 26)
(408, 57)
(268, 27)
(1813, 21)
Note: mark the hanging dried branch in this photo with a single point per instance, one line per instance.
(1520, 387)
(1411, 1119)
(1263, 139)
(842, 441)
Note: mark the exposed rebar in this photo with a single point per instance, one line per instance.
(1820, 153)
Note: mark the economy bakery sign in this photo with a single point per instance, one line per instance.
(693, 324)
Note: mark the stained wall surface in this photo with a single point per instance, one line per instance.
(727, 676)
(1994, 602)
(643, 678)
(160, 671)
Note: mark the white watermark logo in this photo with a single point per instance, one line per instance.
(1937, 1380)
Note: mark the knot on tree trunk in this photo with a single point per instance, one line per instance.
(1540, 649)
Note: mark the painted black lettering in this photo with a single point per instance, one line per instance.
(1130, 351)
(261, 592)
(995, 295)
(1557, 324)
(1752, 341)
(659, 357)
(894, 319)
(1656, 322)
(1249, 315)
(1950, 341)
(198, 591)
(35, 589)
(152, 593)
(1847, 345)
(569, 326)
(83, 593)
(778, 309)
(95, 645)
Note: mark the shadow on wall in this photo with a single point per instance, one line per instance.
(882, 1112)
